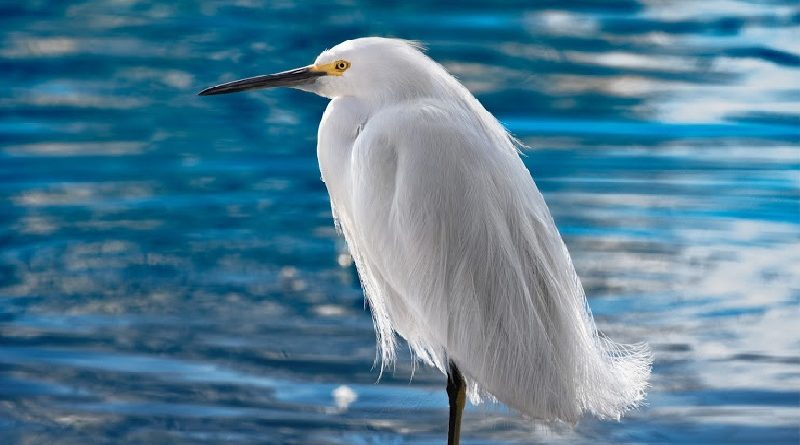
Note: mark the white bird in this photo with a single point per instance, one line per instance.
(453, 242)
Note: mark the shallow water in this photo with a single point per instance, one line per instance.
(169, 271)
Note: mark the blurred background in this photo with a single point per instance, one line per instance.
(169, 270)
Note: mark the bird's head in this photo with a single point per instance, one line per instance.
(370, 67)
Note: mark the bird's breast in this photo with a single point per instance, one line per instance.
(338, 130)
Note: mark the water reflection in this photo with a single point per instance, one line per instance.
(169, 272)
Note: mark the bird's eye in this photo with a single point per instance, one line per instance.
(341, 65)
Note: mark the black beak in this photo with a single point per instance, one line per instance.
(291, 78)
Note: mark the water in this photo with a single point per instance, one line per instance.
(169, 271)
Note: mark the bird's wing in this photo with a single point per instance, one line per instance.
(459, 255)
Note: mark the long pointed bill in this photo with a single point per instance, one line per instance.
(291, 78)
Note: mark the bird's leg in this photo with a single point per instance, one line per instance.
(457, 394)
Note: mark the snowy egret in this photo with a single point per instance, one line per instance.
(453, 242)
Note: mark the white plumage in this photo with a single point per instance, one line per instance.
(454, 244)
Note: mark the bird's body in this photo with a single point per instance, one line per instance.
(454, 244)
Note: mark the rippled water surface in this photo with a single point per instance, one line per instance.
(169, 271)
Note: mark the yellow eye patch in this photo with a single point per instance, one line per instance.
(336, 68)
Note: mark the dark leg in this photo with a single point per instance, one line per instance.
(457, 394)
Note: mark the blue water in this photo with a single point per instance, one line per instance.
(169, 271)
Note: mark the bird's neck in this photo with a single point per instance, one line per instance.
(424, 81)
